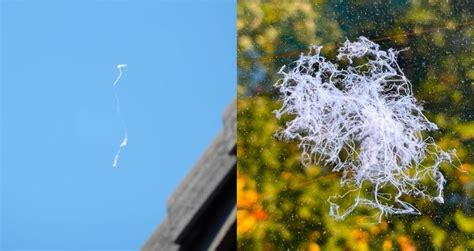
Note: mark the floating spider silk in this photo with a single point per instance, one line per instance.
(125, 138)
(363, 120)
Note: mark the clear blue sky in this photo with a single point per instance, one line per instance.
(60, 130)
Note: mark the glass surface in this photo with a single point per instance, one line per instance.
(282, 205)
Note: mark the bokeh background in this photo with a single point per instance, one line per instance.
(281, 204)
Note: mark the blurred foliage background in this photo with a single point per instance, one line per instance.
(281, 204)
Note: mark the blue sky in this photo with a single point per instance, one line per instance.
(60, 130)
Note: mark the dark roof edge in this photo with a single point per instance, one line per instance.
(199, 185)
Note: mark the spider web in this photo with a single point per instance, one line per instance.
(365, 122)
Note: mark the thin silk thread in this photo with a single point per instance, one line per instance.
(124, 126)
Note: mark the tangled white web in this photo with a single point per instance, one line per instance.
(365, 122)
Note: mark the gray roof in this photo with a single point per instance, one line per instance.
(214, 172)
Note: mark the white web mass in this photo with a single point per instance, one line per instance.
(125, 138)
(364, 120)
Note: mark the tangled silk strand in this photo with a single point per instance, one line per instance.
(363, 120)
